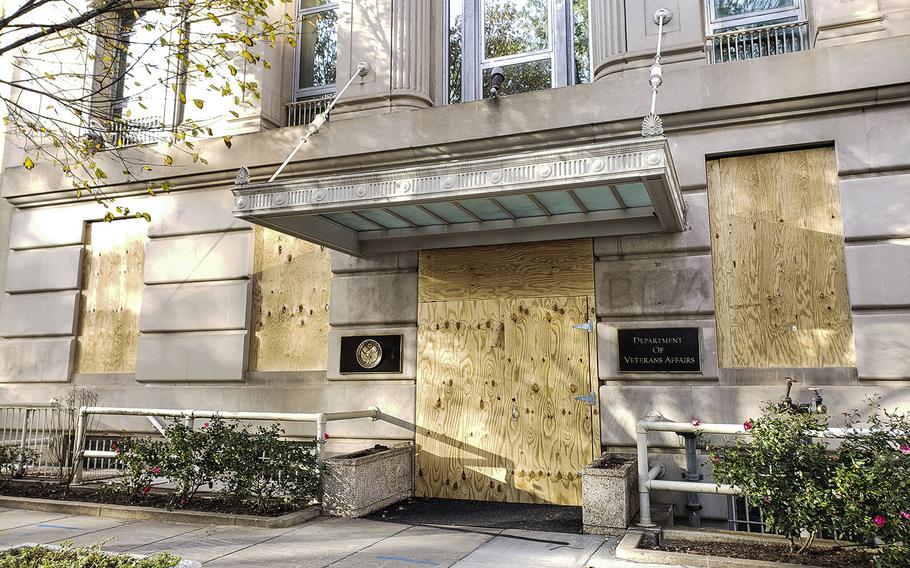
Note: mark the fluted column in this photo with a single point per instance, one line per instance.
(411, 51)
(608, 33)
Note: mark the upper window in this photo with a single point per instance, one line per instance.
(749, 29)
(317, 44)
(538, 44)
(729, 14)
(141, 74)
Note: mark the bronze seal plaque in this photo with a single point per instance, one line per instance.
(368, 354)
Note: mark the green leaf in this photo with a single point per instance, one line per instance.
(28, 163)
(199, 103)
(233, 70)
(108, 217)
(168, 160)
(227, 140)
(214, 18)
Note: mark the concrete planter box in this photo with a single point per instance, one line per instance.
(609, 494)
(357, 484)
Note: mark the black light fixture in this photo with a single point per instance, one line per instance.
(496, 81)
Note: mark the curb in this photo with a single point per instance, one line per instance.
(628, 550)
(136, 513)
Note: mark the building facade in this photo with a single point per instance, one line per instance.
(535, 274)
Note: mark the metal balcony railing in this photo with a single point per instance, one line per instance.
(303, 112)
(752, 43)
(134, 131)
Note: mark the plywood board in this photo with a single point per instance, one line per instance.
(547, 366)
(461, 402)
(111, 297)
(497, 418)
(290, 312)
(780, 282)
(557, 269)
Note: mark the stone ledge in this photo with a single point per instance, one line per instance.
(137, 513)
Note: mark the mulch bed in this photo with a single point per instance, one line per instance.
(826, 557)
(487, 514)
(154, 499)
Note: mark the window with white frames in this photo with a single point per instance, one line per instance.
(749, 29)
(538, 43)
(317, 44)
(731, 14)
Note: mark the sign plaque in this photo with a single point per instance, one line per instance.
(659, 350)
(370, 354)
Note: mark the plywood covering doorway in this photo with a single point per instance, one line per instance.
(499, 367)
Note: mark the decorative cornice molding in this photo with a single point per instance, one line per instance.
(542, 170)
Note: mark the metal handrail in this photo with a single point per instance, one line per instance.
(189, 415)
(648, 477)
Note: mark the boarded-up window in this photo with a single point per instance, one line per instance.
(777, 246)
(290, 303)
(111, 297)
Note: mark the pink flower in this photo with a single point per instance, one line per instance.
(747, 425)
(905, 515)
(146, 489)
(879, 521)
(156, 470)
(115, 447)
(325, 435)
(205, 425)
(832, 457)
(696, 422)
(766, 499)
(905, 448)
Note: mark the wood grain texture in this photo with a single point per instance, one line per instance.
(557, 269)
(778, 261)
(112, 287)
(290, 307)
(497, 378)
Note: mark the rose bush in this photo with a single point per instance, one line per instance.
(857, 487)
(252, 467)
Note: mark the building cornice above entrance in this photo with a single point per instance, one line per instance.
(641, 161)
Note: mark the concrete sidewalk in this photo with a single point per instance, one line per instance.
(324, 542)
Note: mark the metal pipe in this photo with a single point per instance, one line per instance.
(362, 69)
(79, 445)
(688, 427)
(691, 486)
(320, 438)
(693, 505)
(656, 471)
(644, 496)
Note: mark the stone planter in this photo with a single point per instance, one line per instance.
(363, 482)
(609, 494)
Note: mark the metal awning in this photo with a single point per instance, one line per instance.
(582, 191)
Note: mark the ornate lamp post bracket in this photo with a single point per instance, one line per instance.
(652, 125)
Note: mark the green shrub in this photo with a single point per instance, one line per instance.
(858, 486)
(780, 468)
(66, 556)
(871, 483)
(10, 458)
(253, 467)
(271, 471)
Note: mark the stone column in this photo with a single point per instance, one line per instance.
(608, 33)
(624, 35)
(411, 31)
(394, 37)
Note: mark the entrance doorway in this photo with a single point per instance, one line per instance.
(505, 373)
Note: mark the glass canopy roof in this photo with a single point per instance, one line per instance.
(520, 206)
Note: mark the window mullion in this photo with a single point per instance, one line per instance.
(559, 27)
(470, 72)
